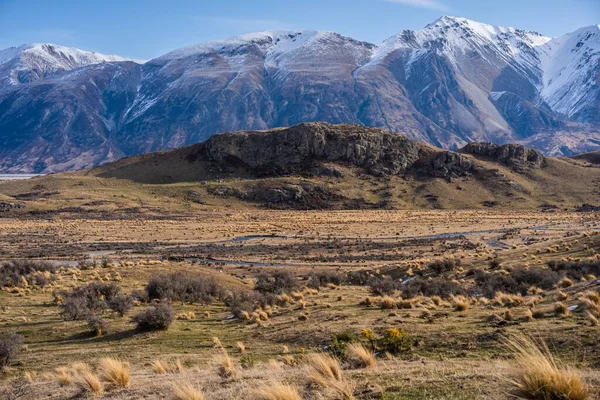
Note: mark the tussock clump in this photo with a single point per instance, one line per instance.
(164, 367)
(116, 372)
(405, 304)
(63, 376)
(217, 342)
(360, 356)
(508, 300)
(593, 320)
(326, 372)
(226, 366)
(387, 303)
(565, 283)
(186, 391)
(561, 309)
(241, 347)
(276, 391)
(540, 377)
(460, 303)
(89, 383)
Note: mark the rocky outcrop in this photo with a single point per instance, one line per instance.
(6, 206)
(451, 165)
(514, 155)
(378, 151)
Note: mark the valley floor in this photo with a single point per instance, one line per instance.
(453, 354)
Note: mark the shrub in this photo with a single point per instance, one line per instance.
(382, 287)
(441, 266)
(83, 301)
(318, 280)
(184, 286)
(96, 324)
(339, 341)
(276, 282)
(121, 304)
(576, 269)
(13, 272)
(10, 345)
(241, 301)
(159, 317)
(396, 340)
(431, 287)
(114, 371)
(541, 377)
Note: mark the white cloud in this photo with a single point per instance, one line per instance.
(431, 4)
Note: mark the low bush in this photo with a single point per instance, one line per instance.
(121, 304)
(276, 282)
(16, 273)
(184, 286)
(10, 345)
(383, 286)
(442, 266)
(318, 280)
(81, 302)
(576, 269)
(158, 317)
(441, 287)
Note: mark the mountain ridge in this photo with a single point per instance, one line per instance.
(451, 83)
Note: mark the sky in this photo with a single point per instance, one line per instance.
(144, 29)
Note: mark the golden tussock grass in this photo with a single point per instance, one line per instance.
(165, 367)
(405, 304)
(241, 347)
(460, 303)
(276, 391)
(63, 376)
(89, 383)
(593, 320)
(225, 366)
(325, 371)
(565, 283)
(115, 371)
(361, 356)
(387, 303)
(217, 342)
(186, 391)
(561, 309)
(540, 376)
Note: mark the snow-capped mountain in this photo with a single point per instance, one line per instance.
(453, 82)
(31, 62)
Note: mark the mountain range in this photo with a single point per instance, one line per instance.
(455, 81)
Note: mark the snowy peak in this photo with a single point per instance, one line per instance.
(268, 43)
(30, 62)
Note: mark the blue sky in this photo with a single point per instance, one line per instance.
(148, 28)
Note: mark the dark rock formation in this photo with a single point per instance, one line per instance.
(513, 155)
(6, 206)
(377, 151)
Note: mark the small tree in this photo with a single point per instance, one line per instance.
(10, 345)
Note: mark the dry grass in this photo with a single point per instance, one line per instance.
(326, 372)
(226, 366)
(561, 309)
(63, 376)
(164, 367)
(540, 377)
(361, 356)
(186, 391)
(460, 303)
(276, 391)
(241, 347)
(89, 383)
(114, 371)
(387, 303)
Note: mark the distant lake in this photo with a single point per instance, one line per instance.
(14, 177)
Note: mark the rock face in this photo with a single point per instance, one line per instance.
(378, 151)
(513, 155)
(6, 206)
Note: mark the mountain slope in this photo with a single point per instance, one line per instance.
(32, 62)
(451, 83)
